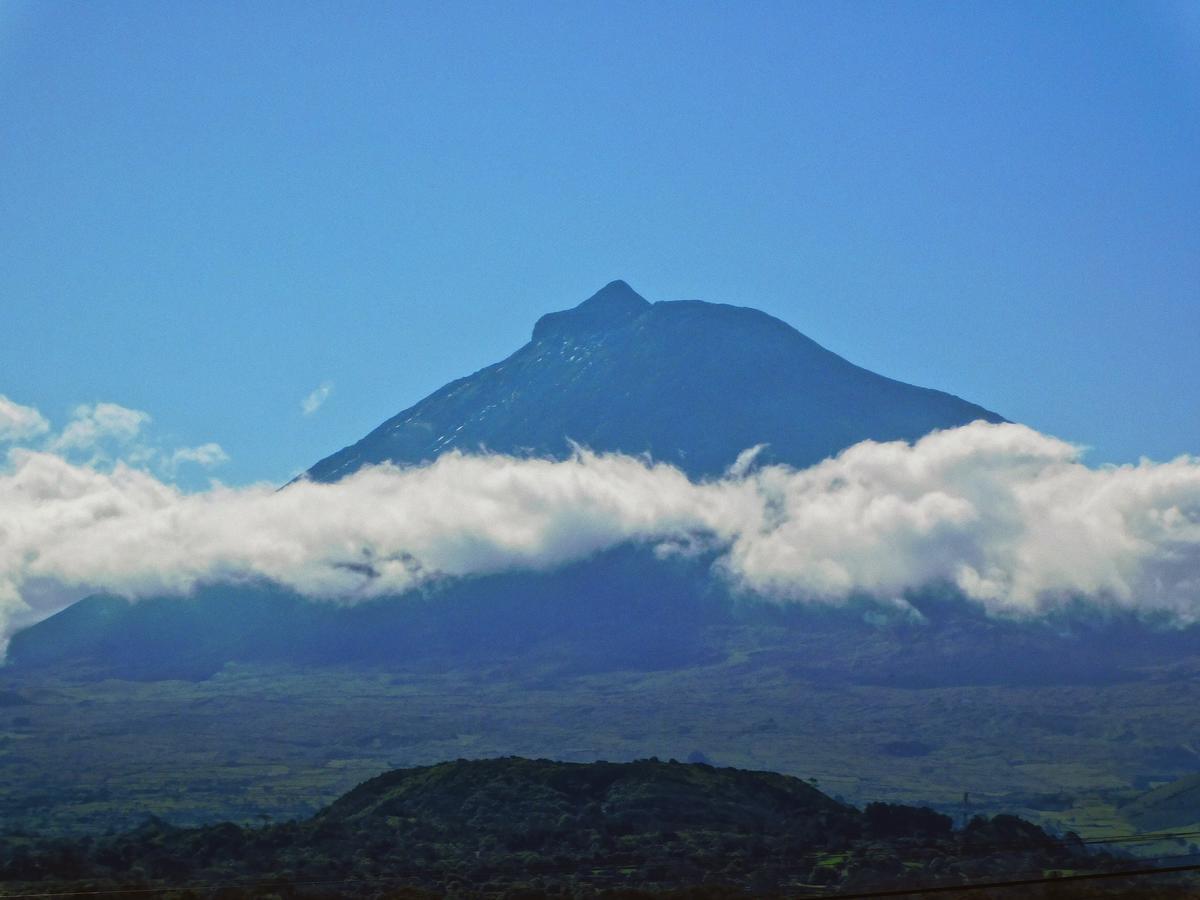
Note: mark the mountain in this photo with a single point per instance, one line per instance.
(518, 827)
(691, 383)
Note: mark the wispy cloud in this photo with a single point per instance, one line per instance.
(20, 423)
(1008, 516)
(92, 426)
(103, 434)
(206, 455)
(316, 399)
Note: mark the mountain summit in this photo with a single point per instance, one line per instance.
(689, 382)
(614, 305)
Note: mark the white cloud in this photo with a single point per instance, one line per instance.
(1008, 515)
(314, 401)
(205, 455)
(104, 433)
(20, 423)
(91, 426)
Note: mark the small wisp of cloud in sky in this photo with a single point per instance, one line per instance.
(316, 399)
(205, 456)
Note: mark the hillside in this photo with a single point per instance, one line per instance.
(1169, 806)
(489, 826)
(517, 799)
(691, 383)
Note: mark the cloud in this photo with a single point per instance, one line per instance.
(92, 426)
(1008, 516)
(316, 399)
(205, 455)
(20, 423)
(103, 434)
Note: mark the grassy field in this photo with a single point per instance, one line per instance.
(254, 742)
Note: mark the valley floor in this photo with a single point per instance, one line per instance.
(252, 742)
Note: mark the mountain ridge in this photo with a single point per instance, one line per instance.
(690, 382)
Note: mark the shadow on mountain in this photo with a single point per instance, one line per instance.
(625, 609)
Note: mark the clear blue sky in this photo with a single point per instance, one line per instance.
(209, 209)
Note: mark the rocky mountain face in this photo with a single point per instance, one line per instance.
(689, 382)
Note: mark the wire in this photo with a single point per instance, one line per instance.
(1015, 882)
(812, 855)
(859, 895)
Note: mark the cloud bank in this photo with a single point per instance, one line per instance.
(1008, 516)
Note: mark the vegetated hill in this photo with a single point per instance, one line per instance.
(521, 798)
(689, 382)
(1172, 805)
(498, 825)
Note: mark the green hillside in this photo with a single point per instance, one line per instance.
(1175, 805)
(504, 826)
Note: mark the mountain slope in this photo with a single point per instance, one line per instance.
(1169, 806)
(692, 383)
(625, 608)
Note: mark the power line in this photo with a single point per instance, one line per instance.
(859, 895)
(1015, 882)
(983, 846)
(1143, 837)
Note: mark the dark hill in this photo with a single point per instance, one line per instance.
(692, 383)
(520, 827)
(522, 796)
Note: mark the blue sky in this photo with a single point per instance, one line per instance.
(210, 210)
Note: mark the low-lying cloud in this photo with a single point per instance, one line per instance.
(1009, 516)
